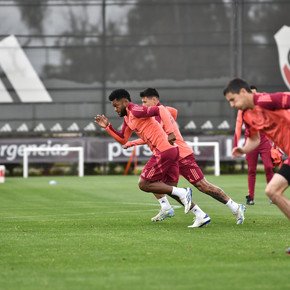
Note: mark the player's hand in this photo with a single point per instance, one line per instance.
(237, 152)
(127, 145)
(102, 121)
(171, 138)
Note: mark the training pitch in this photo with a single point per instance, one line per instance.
(96, 233)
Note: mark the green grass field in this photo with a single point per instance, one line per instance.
(96, 233)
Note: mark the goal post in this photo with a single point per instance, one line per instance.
(216, 147)
(28, 150)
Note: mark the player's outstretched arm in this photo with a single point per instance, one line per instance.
(237, 152)
(102, 121)
(273, 101)
(132, 143)
(251, 143)
(120, 136)
(167, 121)
(238, 128)
(173, 112)
(139, 111)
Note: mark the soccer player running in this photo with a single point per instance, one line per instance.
(188, 167)
(265, 113)
(264, 150)
(162, 168)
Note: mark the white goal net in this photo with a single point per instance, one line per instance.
(216, 147)
(80, 150)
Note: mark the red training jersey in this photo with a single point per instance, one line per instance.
(141, 120)
(167, 123)
(238, 130)
(271, 117)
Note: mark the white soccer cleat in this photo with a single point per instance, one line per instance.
(240, 214)
(200, 222)
(186, 200)
(163, 214)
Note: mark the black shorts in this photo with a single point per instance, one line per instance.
(285, 172)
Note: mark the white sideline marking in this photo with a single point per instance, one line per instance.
(154, 204)
(71, 214)
(88, 213)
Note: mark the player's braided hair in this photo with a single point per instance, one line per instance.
(119, 94)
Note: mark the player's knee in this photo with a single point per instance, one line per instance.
(143, 185)
(204, 186)
(271, 192)
(201, 185)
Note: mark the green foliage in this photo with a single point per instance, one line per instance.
(96, 233)
(35, 171)
(16, 171)
(61, 170)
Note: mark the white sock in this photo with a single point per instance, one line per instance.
(233, 206)
(164, 203)
(180, 192)
(197, 211)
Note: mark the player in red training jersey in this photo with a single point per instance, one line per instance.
(264, 150)
(266, 113)
(188, 167)
(161, 171)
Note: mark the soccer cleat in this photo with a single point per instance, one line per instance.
(163, 214)
(249, 201)
(200, 222)
(240, 214)
(186, 200)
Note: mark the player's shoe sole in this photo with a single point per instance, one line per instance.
(249, 201)
(202, 222)
(187, 200)
(240, 214)
(163, 214)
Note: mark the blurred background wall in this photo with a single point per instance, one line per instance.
(187, 49)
